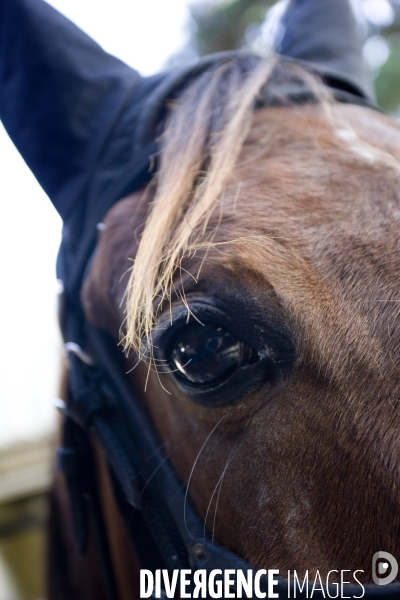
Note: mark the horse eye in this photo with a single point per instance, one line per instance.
(206, 354)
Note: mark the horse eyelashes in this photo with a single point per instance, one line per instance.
(209, 361)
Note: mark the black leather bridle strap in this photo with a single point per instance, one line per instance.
(75, 458)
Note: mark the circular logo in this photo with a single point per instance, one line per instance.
(384, 568)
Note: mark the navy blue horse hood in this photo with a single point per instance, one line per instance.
(83, 120)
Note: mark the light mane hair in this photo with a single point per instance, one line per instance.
(199, 149)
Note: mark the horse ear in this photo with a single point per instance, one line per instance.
(325, 35)
(65, 103)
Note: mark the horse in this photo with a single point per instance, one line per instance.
(251, 280)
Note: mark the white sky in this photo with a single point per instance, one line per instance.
(143, 34)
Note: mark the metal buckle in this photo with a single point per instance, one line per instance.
(72, 348)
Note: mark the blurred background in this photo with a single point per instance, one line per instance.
(149, 36)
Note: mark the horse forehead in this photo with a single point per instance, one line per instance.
(309, 175)
(324, 193)
(321, 223)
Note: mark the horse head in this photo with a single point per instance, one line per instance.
(270, 368)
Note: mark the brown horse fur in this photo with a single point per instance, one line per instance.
(302, 475)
